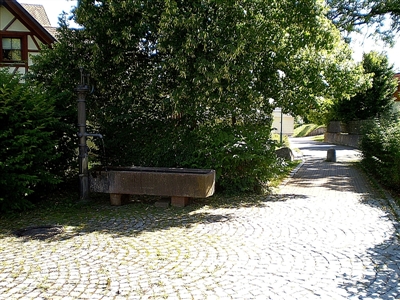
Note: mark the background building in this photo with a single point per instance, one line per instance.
(287, 123)
(24, 30)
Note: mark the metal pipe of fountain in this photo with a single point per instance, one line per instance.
(82, 91)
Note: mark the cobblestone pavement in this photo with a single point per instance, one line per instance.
(323, 235)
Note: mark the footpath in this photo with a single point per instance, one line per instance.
(326, 234)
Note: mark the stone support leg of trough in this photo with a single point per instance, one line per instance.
(180, 201)
(118, 199)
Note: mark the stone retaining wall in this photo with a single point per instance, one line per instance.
(344, 139)
(317, 131)
(346, 134)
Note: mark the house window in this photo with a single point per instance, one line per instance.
(12, 49)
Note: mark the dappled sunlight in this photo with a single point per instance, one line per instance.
(377, 272)
(325, 234)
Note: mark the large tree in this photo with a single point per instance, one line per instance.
(352, 15)
(172, 76)
(230, 57)
(378, 99)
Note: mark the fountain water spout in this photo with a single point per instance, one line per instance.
(95, 135)
(90, 134)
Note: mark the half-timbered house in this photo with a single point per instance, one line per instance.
(24, 30)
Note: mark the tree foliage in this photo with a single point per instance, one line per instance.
(58, 70)
(26, 144)
(170, 75)
(377, 100)
(352, 15)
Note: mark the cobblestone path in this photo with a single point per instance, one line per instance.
(324, 235)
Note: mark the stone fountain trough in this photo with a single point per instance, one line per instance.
(179, 184)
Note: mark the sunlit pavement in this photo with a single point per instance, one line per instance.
(324, 235)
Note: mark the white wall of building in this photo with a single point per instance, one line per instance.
(287, 123)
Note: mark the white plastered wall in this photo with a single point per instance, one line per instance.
(287, 123)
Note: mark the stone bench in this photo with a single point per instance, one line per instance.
(178, 183)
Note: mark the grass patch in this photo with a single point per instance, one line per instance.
(318, 138)
(285, 139)
(285, 171)
(305, 130)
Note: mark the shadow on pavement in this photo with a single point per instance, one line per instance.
(380, 280)
(333, 176)
(131, 219)
(136, 218)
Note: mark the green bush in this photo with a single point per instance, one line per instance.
(26, 147)
(243, 156)
(380, 146)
